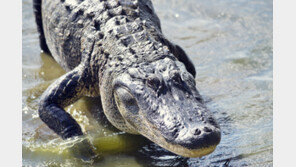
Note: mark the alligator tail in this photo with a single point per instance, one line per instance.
(38, 19)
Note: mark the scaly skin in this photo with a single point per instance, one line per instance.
(115, 49)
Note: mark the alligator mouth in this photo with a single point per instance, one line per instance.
(181, 150)
(192, 153)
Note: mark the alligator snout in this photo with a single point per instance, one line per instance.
(199, 137)
(190, 131)
(191, 141)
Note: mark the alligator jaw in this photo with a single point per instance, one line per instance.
(194, 153)
(191, 153)
(181, 150)
(200, 149)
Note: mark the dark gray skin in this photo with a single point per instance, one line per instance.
(115, 49)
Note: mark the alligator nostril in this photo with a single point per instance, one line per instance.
(197, 132)
(207, 129)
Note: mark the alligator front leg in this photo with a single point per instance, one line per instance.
(64, 91)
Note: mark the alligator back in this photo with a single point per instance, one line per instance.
(67, 22)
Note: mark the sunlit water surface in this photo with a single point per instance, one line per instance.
(230, 43)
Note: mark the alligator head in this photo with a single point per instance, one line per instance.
(159, 100)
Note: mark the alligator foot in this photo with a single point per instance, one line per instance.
(84, 150)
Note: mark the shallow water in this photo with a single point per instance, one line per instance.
(230, 43)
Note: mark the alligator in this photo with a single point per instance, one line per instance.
(115, 50)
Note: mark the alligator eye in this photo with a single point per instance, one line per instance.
(153, 82)
(188, 78)
(177, 78)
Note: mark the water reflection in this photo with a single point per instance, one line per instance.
(153, 155)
